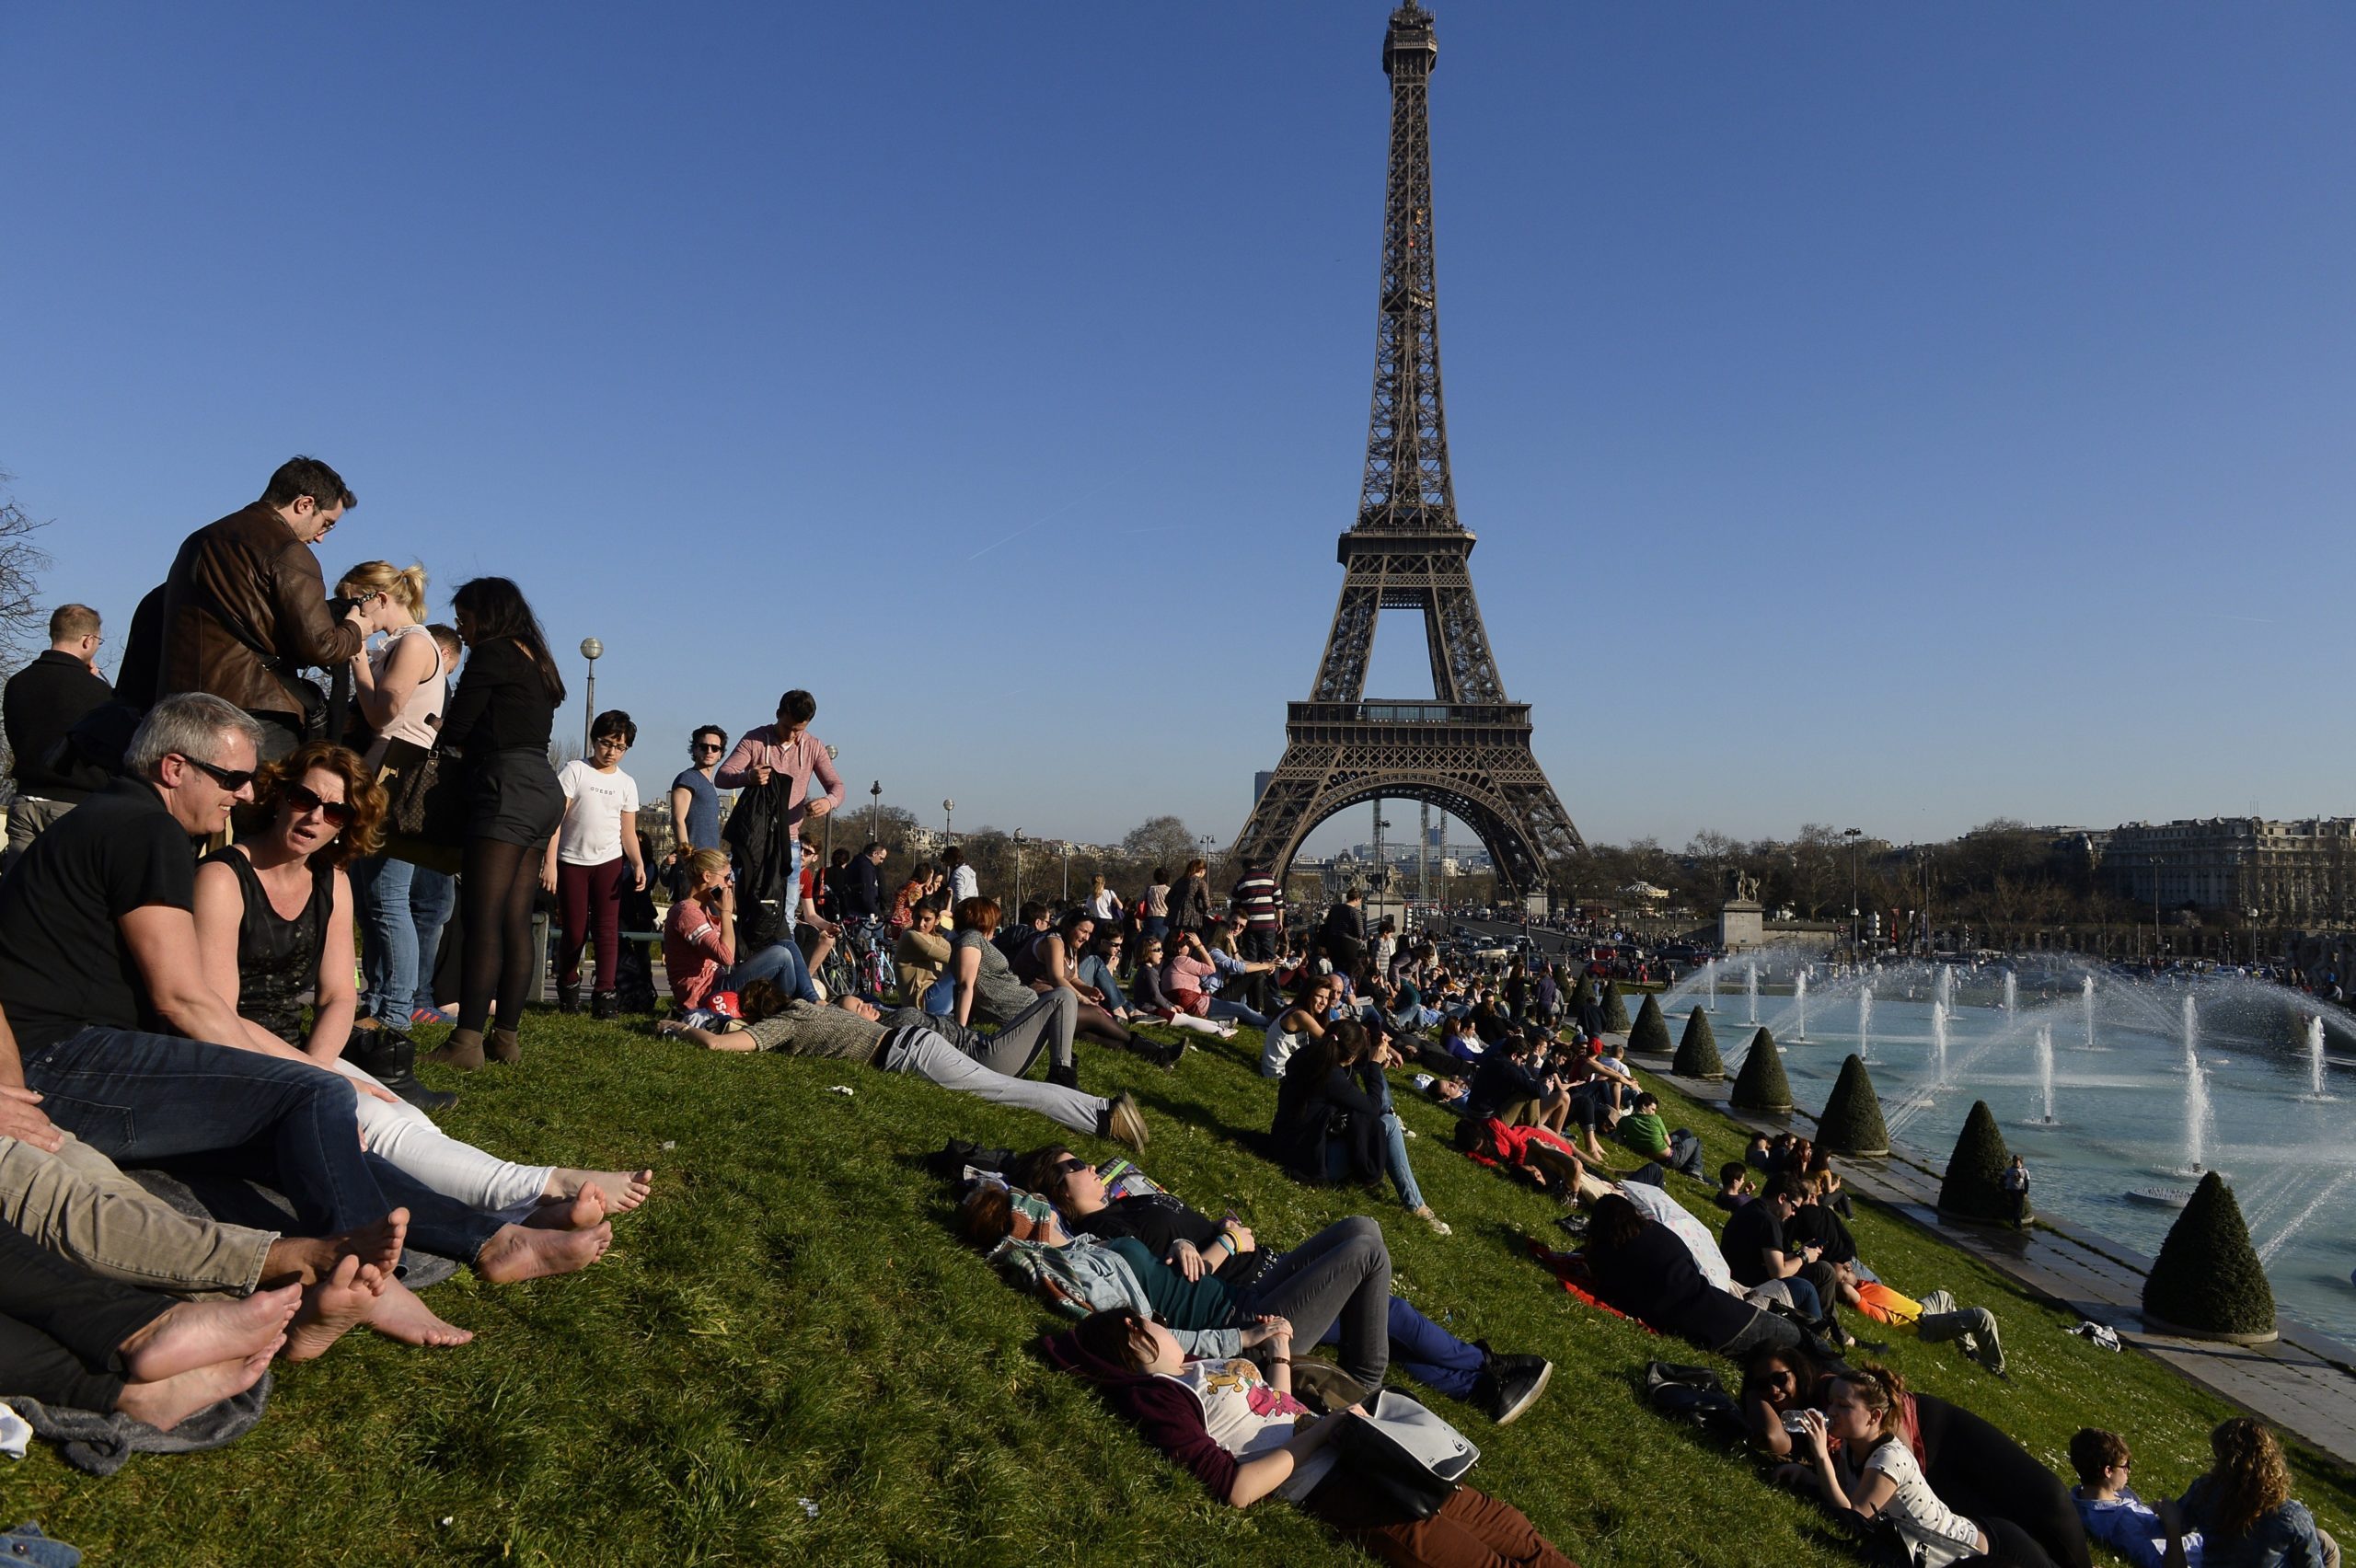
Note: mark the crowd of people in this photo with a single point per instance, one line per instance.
(197, 852)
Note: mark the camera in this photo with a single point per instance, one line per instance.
(340, 606)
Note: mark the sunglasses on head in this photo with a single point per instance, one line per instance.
(301, 801)
(230, 779)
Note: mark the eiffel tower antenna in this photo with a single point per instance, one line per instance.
(1466, 750)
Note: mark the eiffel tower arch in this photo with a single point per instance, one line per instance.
(1466, 749)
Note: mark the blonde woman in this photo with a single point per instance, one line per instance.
(399, 686)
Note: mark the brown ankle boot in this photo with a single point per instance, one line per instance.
(504, 1047)
(463, 1051)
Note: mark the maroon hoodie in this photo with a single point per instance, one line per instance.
(1164, 1411)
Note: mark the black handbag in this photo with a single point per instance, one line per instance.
(425, 804)
(1416, 1482)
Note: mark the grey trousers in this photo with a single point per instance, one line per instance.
(28, 817)
(928, 1056)
(1342, 1275)
(77, 1205)
(1975, 1326)
(1049, 1022)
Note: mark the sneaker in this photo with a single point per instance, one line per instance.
(433, 1015)
(1440, 1226)
(1124, 1123)
(1511, 1384)
(604, 1005)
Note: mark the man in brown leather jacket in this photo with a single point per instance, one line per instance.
(245, 607)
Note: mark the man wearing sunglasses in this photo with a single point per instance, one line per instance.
(695, 798)
(101, 980)
(244, 606)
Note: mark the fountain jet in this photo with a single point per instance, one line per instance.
(1799, 994)
(2044, 1071)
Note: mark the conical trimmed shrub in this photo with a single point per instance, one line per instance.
(1852, 1120)
(1973, 1188)
(1697, 1053)
(1761, 1086)
(2207, 1277)
(1651, 1032)
(1615, 1011)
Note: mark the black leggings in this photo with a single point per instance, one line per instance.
(1979, 1471)
(500, 880)
(61, 1326)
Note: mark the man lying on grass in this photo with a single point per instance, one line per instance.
(1502, 1387)
(908, 1041)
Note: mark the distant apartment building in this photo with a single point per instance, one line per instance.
(2299, 874)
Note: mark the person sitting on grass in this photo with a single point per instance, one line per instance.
(1293, 1027)
(1642, 1268)
(2243, 1509)
(987, 992)
(1245, 1437)
(1196, 1246)
(1734, 1186)
(1334, 1120)
(1877, 1476)
(700, 943)
(908, 1040)
(77, 1341)
(2109, 1508)
(919, 954)
(1761, 1154)
(1155, 1003)
(1050, 960)
(1759, 1253)
(273, 920)
(1643, 1131)
(1825, 1182)
(1101, 966)
(1510, 1085)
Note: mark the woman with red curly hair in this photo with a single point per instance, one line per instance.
(273, 919)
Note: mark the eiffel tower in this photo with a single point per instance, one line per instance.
(1465, 750)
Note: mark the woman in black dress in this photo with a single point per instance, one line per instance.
(498, 728)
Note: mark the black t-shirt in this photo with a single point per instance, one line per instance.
(63, 963)
(1750, 1231)
(1813, 1222)
(1655, 1280)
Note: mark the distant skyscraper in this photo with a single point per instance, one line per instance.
(1260, 783)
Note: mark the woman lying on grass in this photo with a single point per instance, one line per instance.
(1336, 1285)
(1956, 1488)
(1226, 1251)
(1246, 1437)
(1642, 1268)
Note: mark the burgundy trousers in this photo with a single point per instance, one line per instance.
(589, 908)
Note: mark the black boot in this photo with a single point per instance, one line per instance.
(604, 1004)
(568, 997)
(1064, 1077)
(390, 1057)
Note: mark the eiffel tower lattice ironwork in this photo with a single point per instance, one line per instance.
(1465, 750)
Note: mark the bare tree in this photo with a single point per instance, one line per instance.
(21, 564)
(1164, 841)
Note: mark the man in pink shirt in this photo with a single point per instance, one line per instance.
(787, 747)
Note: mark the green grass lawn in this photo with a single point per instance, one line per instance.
(790, 1357)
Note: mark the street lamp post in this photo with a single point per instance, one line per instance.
(592, 651)
(2156, 863)
(1066, 871)
(1018, 867)
(1853, 834)
(875, 812)
(948, 816)
(832, 753)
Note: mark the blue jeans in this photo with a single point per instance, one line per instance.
(781, 962)
(1394, 1159)
(400, 909)
(940, 997)
(1222, 1007)
(1804, 1300)
(1428, 1353)
(140, 1098)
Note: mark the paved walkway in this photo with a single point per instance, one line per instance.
(2304, 1382)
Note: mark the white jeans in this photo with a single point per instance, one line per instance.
(402, 1134)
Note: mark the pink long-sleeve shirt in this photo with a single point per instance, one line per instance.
(799, 759)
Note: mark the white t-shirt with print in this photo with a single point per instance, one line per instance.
(1663, 1209)
(592, 828)
(1939, 1534)
(1248, 1417)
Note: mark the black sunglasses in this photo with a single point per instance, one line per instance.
(301, 801)
(1066, 1166)
(230, 779)
(705, 746)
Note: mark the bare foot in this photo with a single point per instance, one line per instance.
(333, 1308)
(166, 1404)
(201, 1333)
(623, 1190)
(307, 1259)
(401, 1314)
(577, 1213)
(519, 1252)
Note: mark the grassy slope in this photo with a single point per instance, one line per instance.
(793, 1318)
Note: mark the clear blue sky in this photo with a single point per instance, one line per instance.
(1896, 416)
